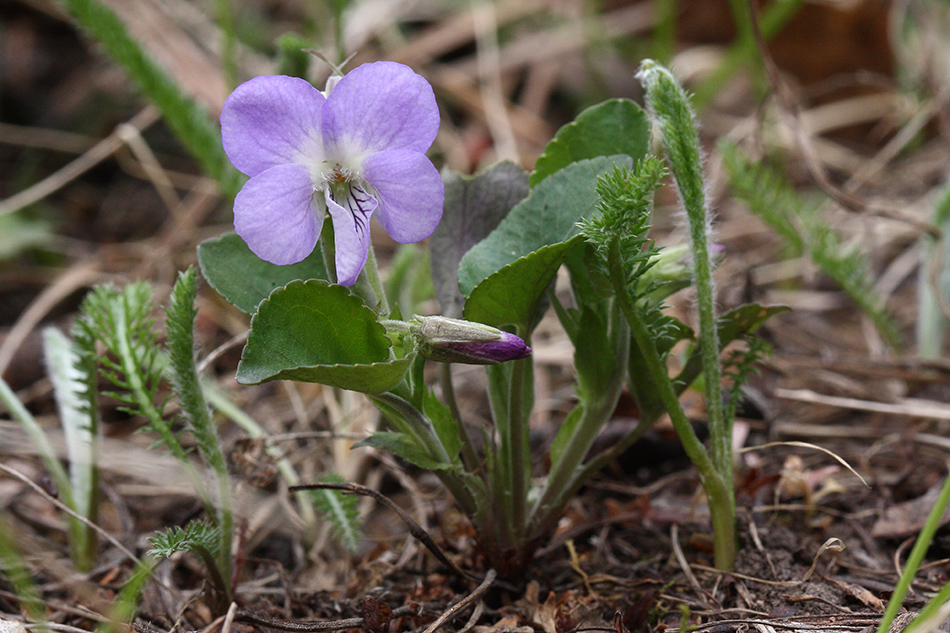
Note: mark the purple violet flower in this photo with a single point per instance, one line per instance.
(358, 150)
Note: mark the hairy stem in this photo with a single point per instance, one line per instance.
(718, 489)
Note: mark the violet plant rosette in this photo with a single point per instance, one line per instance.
(356, 152)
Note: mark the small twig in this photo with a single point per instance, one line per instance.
(681, 559)
(101, 151)
(416, 530)
(220, 350)
(833, 544)
(476, 614)
(243, 615)
(464, 602)
(75, 277)
(229, 618)
(856, 622)
(62, 506)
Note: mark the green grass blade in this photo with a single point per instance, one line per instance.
(14, 570)
(916, 556)
(187, 119)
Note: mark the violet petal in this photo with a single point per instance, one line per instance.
(377, 106)
(351, 217)
(270, 121)
(274, 214)
(411, 193)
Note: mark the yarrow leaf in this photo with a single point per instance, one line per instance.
(186, 117)
(804, 231)
(340, 510)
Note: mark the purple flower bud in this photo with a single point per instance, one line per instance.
(457, 341)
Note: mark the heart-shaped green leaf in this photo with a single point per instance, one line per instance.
(545, 217)
(512, 294)
(243, 278)
(618, 126)
(473, 208)
(316, 332)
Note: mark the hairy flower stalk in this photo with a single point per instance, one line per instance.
(669, 106)
(354, 152)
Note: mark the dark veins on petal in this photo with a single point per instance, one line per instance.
(361, 206)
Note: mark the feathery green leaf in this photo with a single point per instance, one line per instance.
(341, 510)
(770, 197)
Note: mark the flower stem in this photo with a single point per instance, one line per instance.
(594, 412)
(370, 287)
(407, 419)
(670, 107)
(469, 456)
(517, 426)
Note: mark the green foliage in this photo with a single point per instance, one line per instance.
(739, 365)
(513, 294)
(18, 233)
(933, 282)
(744, 52)
(669, 106)
(804, 231)
(73, 388)
(14, 570)
(316, 332)
(293, 59)
(409, 283)
(187, 118)
(914, 559)
(243, 278)
(121, 320)
(126, 602)
(474, 206)
(198, 537)
(626, 201)
(180, 316)
(137, 366)
(545, 217)
(203, 540)
(617, 126)
(494, 259)
(342, 511)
